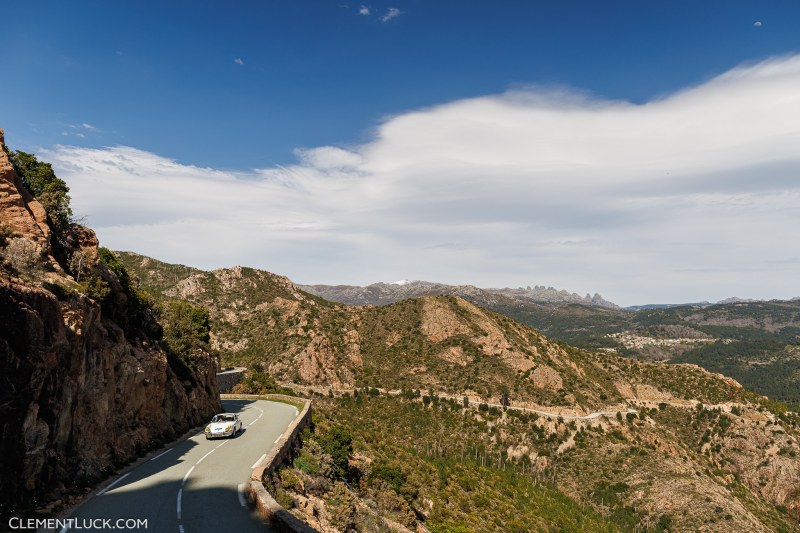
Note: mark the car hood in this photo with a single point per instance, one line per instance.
(217, 426)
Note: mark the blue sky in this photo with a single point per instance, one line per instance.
(316, 112)
(161, 76)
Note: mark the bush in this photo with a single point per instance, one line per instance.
(338, 443)
(40, 180)
(292, 481)
(24, 255)
(60, 291)
(313, 460)
(342, 506)
(186, 327)
(6, 234)
(395, 477)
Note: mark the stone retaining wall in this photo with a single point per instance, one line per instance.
(226, 380)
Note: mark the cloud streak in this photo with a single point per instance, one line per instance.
(391, 13)
(527, 187)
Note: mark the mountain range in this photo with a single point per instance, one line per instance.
(385, 293)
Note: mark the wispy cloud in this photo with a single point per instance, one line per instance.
(239, 61)
(363, 10)
(528, 187)
(88, 127)
(390, 14)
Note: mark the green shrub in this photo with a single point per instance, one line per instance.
(342, 506)
(40, 180)
(313, 459)
(60, 291)
(394, 476)
(338, 443)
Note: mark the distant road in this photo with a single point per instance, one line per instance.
(195, 486)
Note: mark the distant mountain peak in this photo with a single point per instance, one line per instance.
(385, 293)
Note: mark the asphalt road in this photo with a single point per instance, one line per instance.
(195, 486)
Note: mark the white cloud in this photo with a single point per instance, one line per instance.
(363, 10)
(693, 196)
(88, 127)
(239, 61)
(758, 24)
(390, 14)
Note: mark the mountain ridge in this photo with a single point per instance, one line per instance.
(383, 293)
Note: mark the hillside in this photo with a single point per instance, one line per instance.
(753, 342)
(733, 454)
(89, 377)
(439, 342)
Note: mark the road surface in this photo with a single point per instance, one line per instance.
(196, 486)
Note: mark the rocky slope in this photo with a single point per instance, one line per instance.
(735, 456)
(385, 293)
(86, 385)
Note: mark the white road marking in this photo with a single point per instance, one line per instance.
(242, 501)
(186, 476)
(162, 453)
(254, 421)
(259, 460)
(276, 440)
(180, 492)
(180, 528)
(112, 484)
(223, 444)
(206, 455)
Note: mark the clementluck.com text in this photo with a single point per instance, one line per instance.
(63, 524)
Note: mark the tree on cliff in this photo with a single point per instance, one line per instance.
(50, 190)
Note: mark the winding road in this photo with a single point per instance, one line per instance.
(195, 486)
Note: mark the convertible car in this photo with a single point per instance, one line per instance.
(223, 425)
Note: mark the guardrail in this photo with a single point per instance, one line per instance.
(268, 509)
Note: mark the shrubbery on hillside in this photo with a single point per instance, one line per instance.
(50, 190)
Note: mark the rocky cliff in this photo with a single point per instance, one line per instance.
(82, 390)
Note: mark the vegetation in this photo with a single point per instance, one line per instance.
(258, 381)
(389, 479)
(43, 184)
(755, 343)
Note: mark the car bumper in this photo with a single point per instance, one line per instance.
(219, 434)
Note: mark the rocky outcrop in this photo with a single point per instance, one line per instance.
(80, 395)
(19, 211)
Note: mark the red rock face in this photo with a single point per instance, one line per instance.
(19, 211)
(79, 395)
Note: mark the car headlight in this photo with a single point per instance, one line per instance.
(208, 429)
(230, 427)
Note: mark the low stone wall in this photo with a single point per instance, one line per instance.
(268, 509)
(226, 380)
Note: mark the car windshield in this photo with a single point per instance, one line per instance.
(222, 418)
